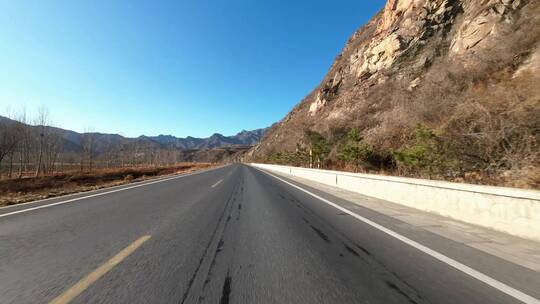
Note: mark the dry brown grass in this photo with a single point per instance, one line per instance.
(14, 191)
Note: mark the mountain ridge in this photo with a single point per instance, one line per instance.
(72, 140)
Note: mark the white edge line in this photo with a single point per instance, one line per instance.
(519, 295)
(219, 182)
(82, 192)
(106, 188)
(102, 193)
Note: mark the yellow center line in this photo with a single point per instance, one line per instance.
(85, 282)
(217, 183)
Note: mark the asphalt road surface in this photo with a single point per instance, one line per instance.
(234, 235)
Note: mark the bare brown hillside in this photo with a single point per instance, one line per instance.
(443, 89)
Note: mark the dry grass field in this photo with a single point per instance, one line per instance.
(15, 191)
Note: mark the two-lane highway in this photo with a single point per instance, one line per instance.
(235, 235)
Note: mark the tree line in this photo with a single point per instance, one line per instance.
(426, 154)
(33, 147)
(25, 150)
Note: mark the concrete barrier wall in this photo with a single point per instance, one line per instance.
(514, 211)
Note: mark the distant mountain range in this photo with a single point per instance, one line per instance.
(244, 138)
(103, 142)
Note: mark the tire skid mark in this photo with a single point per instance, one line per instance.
(207, 247)
(365, 255)
(400, 292)
(351, 250)
(220, 247)
(364, 250)
(321, 234)
(210, 272)
(226, 292)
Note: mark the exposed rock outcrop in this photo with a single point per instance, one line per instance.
(484, 25)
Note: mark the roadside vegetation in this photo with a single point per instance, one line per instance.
(487, 133)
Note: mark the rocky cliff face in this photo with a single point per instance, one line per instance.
(422, 62)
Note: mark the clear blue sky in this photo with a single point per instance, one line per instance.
(169, 67)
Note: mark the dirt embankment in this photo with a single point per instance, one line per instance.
(15, 191)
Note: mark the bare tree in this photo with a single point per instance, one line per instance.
(25, 142)
(8, 137)
(41, 122)
(88, 141)
(53, 149)
(17, 131)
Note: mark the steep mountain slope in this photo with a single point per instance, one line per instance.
(447, 88)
